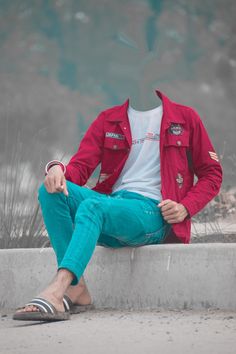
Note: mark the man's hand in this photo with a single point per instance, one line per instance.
(55, 181)
(172, 212)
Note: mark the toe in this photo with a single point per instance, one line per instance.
(31, 308)
(28, 308)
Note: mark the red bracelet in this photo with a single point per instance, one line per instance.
(54, 163)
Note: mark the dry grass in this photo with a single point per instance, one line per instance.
(21, 223)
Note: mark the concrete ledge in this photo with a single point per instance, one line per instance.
(196, 276)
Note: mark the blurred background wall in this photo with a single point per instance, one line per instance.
(64, 61)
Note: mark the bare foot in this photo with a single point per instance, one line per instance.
(54, 300)
(79, 293)
(84, 298)
(54, 292)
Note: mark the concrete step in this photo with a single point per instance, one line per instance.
(196, 276)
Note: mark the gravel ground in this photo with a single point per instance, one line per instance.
(116, 332)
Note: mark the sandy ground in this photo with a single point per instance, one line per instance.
(116, 332)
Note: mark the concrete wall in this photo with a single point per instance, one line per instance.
(167, 276)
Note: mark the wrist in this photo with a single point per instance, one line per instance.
(185, 211)
(52, 163)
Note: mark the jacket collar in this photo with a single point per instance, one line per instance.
(170, 113)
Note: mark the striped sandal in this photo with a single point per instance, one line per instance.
(75, 308)
(47, 312)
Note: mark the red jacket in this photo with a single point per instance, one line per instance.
(185, 151)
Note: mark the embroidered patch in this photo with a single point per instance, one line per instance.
(179, 179)
(176, 129)
(213, 156)
(115, 136)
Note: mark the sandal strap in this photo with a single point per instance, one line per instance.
(43, 305)
(68, 304)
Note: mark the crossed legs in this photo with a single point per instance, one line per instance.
(77, 222)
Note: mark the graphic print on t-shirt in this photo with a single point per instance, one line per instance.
(141, 173)
(149, 136)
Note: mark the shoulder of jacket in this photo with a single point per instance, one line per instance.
(111, 110)
(184, 108)
(187, 112)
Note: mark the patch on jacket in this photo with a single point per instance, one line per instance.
(176, 129)
(179, 179)
(115, 136)
(213, 156)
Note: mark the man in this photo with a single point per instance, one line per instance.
(145, 194)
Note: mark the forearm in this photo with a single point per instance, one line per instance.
(78, 172)
(202, 193)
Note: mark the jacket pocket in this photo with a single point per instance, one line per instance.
(114, 154)
(177, 141)
(115, 144)
(175, 147)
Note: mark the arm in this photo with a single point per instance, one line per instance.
(206, 167)
(88, 156)
(208, 170)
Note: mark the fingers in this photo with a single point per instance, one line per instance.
(60, 184)
(172, 211)
(49, 184)
(164, 202)
(64, 187)
(56, 183)
(168, 206)
(173, 220)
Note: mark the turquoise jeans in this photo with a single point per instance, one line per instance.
(78, 222)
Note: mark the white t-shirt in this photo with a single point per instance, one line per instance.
(141, 173)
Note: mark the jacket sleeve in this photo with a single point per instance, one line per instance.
(206, 167)
(88, 156)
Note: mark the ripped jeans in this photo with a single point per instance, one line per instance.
(78, 222)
